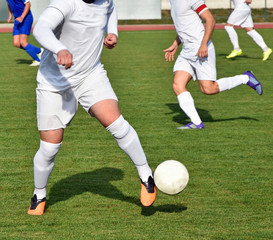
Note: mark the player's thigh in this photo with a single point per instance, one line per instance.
(96, 90)
(52, 136)
(106, 111)
(55, 110)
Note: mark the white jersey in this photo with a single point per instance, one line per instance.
(188, 24)
(78, 27)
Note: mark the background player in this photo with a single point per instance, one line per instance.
(23, 20)
(241, 16)
(72, 33)
(197, 58)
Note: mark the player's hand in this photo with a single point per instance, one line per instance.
(202, 52)
(110, 41)
(170, 52)
(19, 19)
(65, 58)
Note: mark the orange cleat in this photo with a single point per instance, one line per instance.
(37, 207)
(148, 192)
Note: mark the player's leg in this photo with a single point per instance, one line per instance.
(185, 100)
(54, 113)
(108, 114)
(29, 48)
(43, 162)
(258, 39)
(25, 29)
(206, 73)
(97, 97)
(237, 51)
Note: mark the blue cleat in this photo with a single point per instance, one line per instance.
(254, 83)
(191, 125)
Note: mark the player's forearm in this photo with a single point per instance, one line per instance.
(26, 10)
(112, 24)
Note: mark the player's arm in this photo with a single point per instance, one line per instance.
(112, 28)
(170, 52)
(43, 31)
(248, 1)
(25, 12)
(10, 15)
(209, 27)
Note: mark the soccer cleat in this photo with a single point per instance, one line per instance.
(266, 54)
(148, 192)
(254, 83)
(34, 63)
(40, 54)
(37, 207)
(191, 125)
(235, 53)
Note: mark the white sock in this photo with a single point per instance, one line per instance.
(231, 82)
(233, 37)
(186, 103)
(258, 39)
(128, 141)
(43, 166)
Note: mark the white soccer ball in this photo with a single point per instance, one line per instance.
(171, 177)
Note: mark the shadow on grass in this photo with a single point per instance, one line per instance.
(23, 61)
(182, 118)
(99, 182)
(237, 58)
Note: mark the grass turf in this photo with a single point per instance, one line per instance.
(93, 192)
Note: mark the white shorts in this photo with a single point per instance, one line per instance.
(240, 17)
(56, 110)
(201, 70)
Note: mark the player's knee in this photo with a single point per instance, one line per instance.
(177, 88)
(119, 128)
(207, 90)
(48, 151)
(16, 44)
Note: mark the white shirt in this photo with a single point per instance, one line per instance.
(78, 27)
(188, 24)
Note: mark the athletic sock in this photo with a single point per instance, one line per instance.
(258, 39)
(186, 103)
(32, 51)
(231, 82)
(43, 165)
(233, 37)
(128, 141)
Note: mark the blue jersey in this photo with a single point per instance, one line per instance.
(17, 7)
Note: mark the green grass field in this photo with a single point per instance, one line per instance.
(93, 192)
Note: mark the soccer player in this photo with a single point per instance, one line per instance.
(241, 16)
(72, 34)
(22, 26)
(197, 58)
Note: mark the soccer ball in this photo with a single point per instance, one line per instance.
(171, 177)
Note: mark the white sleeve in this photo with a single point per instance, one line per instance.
(49, 20)
(112, 24)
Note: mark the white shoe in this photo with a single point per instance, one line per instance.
(34, 63)
(40, 54)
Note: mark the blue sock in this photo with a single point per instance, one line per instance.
(33, 51)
